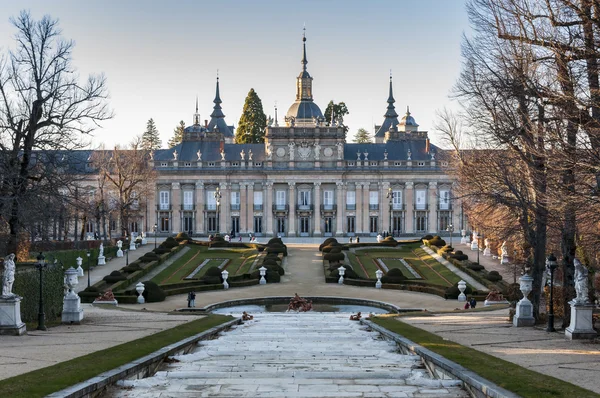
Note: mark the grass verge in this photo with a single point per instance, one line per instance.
(42, 382)
(515, 378)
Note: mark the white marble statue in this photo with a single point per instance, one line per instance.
(222, 155)
(119, 244)
(269, 151)
(291, 145)
(199, 154)
(432, 155)
(581, 283)
(243, 155)
(317, 151)
(9, 275)
(409, 155)
(250, 154)
(504, 253)
(487, 251)
(101, 252)
(175, 155)
(151, 155)
(340, 150)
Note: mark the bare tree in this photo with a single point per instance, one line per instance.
(43, 106)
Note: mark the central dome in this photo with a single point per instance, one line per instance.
(304, 110)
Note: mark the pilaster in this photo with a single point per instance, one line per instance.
(268, 209)
(199, 225)
(224, 208)
(340, 189)
(243, 208)
(292, 213)
(386, 203)
(366, 188)
(432, 201)
(176, 213)
(359, 208)
(317, 229)
(250, 212)
(409, 197)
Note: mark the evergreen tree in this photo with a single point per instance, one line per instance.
(362, 136)
(177, 135)
(150, 138)
(338, 111)
(252, 124)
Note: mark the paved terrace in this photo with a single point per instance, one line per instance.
(548, 353)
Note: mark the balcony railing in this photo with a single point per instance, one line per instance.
(188, 207)
(258, 207)
(423, 207)
(211, 207)
(280, 207)
(331, 207)
(304, 207)
(373, 206)
(163, 207)
(445, 206)
(235, 206)
(398, 207)
(350, 206)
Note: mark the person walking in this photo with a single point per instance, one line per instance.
(193, 299)
(189, 300)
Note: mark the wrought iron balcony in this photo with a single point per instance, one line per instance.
(235, 206)
(188, 207)
(373, 206)
(398, 207)
(350, 206)
(421, 207)
(163, 207)
(258, 207)
(281, 207)
(210, 207)
(304, 207)
(328, 208)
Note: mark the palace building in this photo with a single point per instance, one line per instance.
(305, 180)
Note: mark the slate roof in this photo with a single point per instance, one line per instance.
(397, 150)
(211, 152)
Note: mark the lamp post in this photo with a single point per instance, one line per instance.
(155, 231)
(218, 202)
(40, 265)
(390, 196)
(450, 229)
(88, 254)
(126, 257)
(551, 264)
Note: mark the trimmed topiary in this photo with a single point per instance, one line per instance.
(437, 241)
(334, 257)
(131, 268)
(275, 268)
(182, 236)
(269, 261)
(160, 250)
(475, 267)
(274, 241)
(213, 271)
(326, 242)
(149, 257)
(272, 276)
(452, 292)
(170, 243)
(153, 293)
(394, 275)
(459, 255)
(427, 237)
(114, 277)
(494, 276)
(349, 273)
(218, 238)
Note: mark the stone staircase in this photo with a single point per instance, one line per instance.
(293, 355)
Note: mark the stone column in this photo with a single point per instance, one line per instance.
(386, 203)
(243, 208)
(199, 226)
(366, 190)
(409, 214)
(292, 213)
(317, 201)
(359, 209)
(176, 208)
(224, 208)
(432, 201)
(268, 207)
(341, 208)
(250, 211)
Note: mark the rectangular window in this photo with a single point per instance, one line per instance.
(188, 164)
(164, 164)
(188, 200)
(113, 225)
(258, 200)
(133, 227)
(211, 202)
(188, 224)
(396, 225)
(281, 226)
(165, 226)
(164, 200)
(328, 225)
(304, 199)
(445, 200)
(421, 164)
(258, 225)
(373, 200)
(373, 225)
(397, 201)
(420, 199)
(350, 220)
(235, 200)
(235, 164)
(444, 220)
(235, 225)
(212, 224)
(280, 199)
(257, 164)
(421, 221)
(397, 163)
(328, 200)
(351, 200)
(211, 164)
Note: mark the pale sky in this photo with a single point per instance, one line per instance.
(159, 55)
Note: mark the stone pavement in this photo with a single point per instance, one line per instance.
(293, 355)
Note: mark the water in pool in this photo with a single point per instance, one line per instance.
(238, 309)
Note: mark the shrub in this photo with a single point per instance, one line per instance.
(349, 273)
(452, 292)
(494, 276)
(269, 261)
(334, 257)
(459, 256)
(326, 242)
(213, 271)
(181, 237)
(276, 268)
(277, 249)
(330, 247)
(427, 237)
(272, 276)
(437, 241)
(170, 243)
(153, 293)
(218, 238)
(274, 240)
(211, 280)
(27, 285)
(336, 249)
(131, 268)
(475, 266)
(114, 277)
(394, 275)
(160, 250)
(149, 257)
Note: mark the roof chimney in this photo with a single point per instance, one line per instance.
(427, 146)
(206, 123)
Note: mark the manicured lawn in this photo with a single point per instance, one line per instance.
(42, 382)
(515, 378)
(196, 254)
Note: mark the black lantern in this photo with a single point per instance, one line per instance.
(551, 265)
(40, 265)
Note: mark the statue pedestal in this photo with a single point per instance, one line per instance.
(101, 260)
(487, 252)
(581, 326)
(119, 253)
(106, 302)
(72, 311)
(487, 303)
(524, 315)
(474, 246)
(144, 241)
(10, 316)
(504, 259)
(463, 241)
(132, 245)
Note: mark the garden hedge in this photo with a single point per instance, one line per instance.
(27, 285)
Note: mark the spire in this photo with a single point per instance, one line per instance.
(304, 61)
(217, 113)
(196, 115)
(391, 109)
(276, 124)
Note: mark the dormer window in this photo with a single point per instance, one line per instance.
(397, 163)
(373, 163)
(421, 164)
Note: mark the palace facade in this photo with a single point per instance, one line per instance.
(305, 180)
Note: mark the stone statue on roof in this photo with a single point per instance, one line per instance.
(199, 154)
(269, 151)
(409, 155)
(250, 154)
(222, 155)
(243, 155)
(175, 154)
(366, 155)
(317, 150)
(385, 154)
(291, 145)
(269, 121)
(340, 150)
(358, 155)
